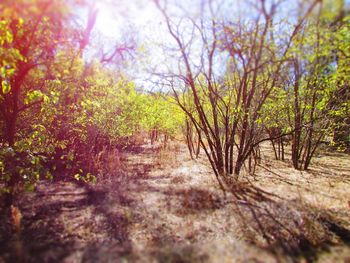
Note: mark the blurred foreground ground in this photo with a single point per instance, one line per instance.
(160, 206)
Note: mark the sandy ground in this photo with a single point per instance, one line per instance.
(160, 206)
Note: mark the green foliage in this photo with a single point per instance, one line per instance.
(9, 57)
(162, 114)
(22, 167)
(119, 111)
(86, 178)
(274, 112)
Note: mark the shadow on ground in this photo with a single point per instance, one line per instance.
(290, 229)
(68, 222)
(60, 223)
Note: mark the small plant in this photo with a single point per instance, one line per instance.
(86, 178)
(21, 169)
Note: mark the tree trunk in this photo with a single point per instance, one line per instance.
(237, 170)
(11, 130)
(274, 150)
(282, 149)
(198, 148)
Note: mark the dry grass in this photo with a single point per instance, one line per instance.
(309, 219)
(108, 163)
(157, 205)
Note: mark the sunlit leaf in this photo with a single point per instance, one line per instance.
(6, 87)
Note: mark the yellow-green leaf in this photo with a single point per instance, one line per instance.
(6, 87)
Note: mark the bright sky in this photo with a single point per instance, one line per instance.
(118, 19)
(134, 18)
(115, 16)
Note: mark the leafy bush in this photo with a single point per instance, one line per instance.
(22, 168)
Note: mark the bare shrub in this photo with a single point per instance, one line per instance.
(108, 163)
(165, 157)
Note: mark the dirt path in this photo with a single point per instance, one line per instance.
(163, 207)
(175, 211)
